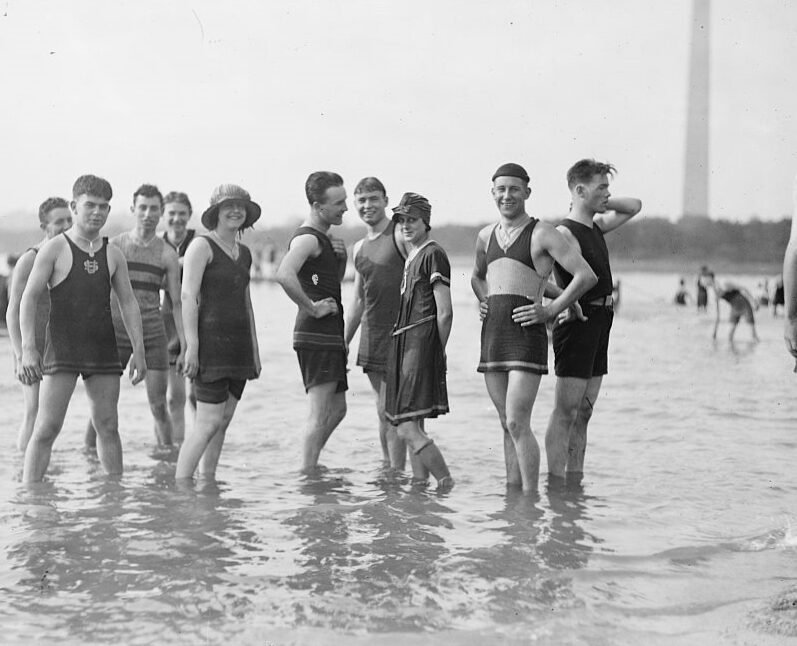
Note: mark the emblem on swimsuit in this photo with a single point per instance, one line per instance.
(314, 278)
(91, 266)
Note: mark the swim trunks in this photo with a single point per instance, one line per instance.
(581, 347)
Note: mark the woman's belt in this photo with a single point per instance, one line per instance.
(403, 329)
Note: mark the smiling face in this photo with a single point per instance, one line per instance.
(510, 195)
(148, 211)
(232, 215)
(371, 207)
(58, 221)
(413, 228)
(334, 205)
(89, 213)
(177, 215)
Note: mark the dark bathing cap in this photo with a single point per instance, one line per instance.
(512, 170)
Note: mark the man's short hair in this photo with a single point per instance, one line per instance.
(148, 190)
(180, 198)
(583, 171)
(92, 185)
(370, 185)
(317, 184)
(48, 205)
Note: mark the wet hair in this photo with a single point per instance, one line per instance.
(180, 198)
(368, 185)
(148, 190)
(48, 205)
(92, 185)
(317, 184)
(583, 171)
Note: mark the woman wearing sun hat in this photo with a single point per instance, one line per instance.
(221, 345)
(416, 367)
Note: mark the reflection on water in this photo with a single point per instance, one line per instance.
(684, 459)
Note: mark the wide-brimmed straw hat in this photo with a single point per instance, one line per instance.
(225, 193)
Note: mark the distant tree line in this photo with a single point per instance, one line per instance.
(692, 240)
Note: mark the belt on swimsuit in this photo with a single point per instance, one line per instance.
(603, 301)
(403, 329)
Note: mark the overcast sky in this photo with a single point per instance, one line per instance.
(429, 95)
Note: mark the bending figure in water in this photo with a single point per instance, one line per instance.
(741, 302)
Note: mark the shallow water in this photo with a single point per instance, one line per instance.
(683, 531)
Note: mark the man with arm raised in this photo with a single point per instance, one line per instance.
(581, 346)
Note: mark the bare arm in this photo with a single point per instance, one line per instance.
(354, 312)
(196, 258)
(790, 281)
(573, 262)
(621, 210)
(445, 313)
(255, 346)
(19, 279)
(301, 248)
(478, 279)
(43, 268)
(567, 255)
(339, 247)
(172, 263)
(131, 315)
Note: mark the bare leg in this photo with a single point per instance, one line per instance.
(90, 437)
(426, 450)
(30, 393)
(577, 444)
(103, 394)
(210, 459)
(175, 399)
(327, 410)
(519, 389)
(496, 383)
(207, 435)
(157, 382)
(394, 449)
(568, 396)
(55, 391)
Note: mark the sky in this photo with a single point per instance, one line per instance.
(430, 96)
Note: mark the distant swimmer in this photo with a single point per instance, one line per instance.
(581, 347)
(176, 213)
(310, 273)
(221, 352)
(762, 294)
(682, 296)
(790, 281)
(514, 259)
(741, 302)
(81, 270)
(150, 263)
(703, 279)
(416, 388)
(379, 266)
(54, 218)
(778, 295)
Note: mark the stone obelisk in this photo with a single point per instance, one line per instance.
(696, 169)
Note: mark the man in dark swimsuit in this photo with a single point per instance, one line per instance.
(581, 347)
(310, 273)
(81, 269)
(379, 265)
(513, 261)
